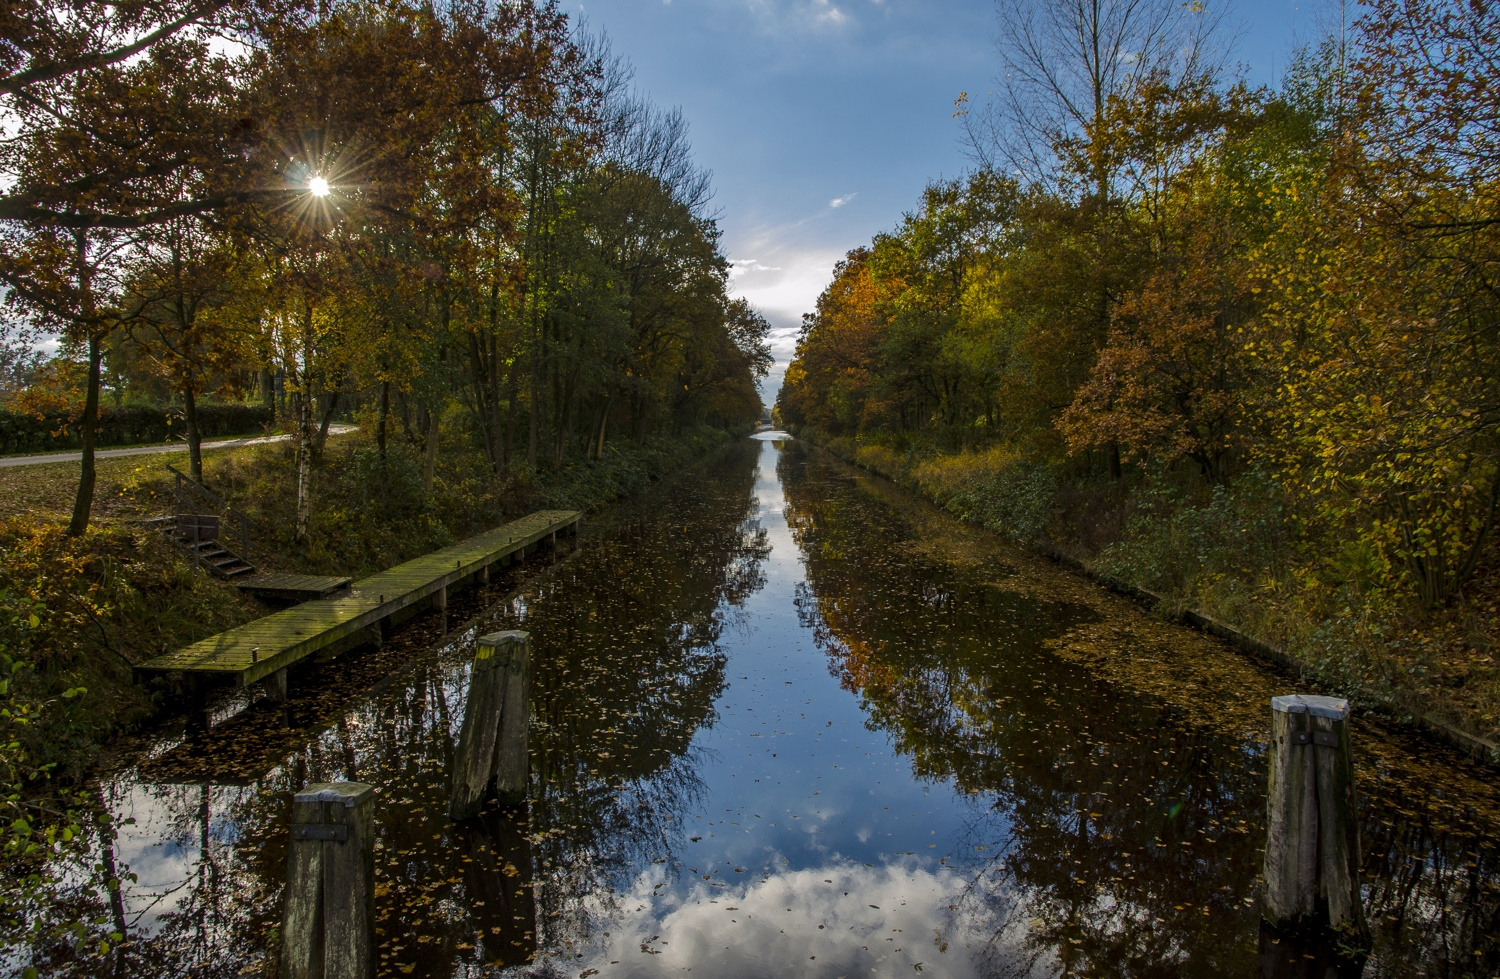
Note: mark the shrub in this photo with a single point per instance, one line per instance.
(998, 489)
(58, 431)
(1232, 538)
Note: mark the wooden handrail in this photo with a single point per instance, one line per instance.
(184, 480)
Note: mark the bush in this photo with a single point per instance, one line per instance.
(998, 489)
(59, 431)
(1234, 538)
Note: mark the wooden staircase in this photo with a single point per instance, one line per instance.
(201, 534)
(198, 535)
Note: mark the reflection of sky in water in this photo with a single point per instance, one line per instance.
(835, 919)
(800, 789)
(162, 837)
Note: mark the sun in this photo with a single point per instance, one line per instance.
(318, 186)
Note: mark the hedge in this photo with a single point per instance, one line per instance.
(59, 431)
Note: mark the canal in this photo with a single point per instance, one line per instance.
(789, 721)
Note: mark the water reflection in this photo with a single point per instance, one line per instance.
(789, 722)
(1125, 829)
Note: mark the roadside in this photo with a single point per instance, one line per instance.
(140, 450)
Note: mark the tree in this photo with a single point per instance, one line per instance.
(1060, 65)
(93, 145)
(181, 278)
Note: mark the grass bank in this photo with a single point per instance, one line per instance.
(1233, 554)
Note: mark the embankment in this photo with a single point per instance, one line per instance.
(1218, 567)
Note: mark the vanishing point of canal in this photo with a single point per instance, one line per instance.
(788, 721)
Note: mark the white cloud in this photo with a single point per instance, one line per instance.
(782, 285)
(826, 13)
(776, 16)
(786, 284)
(841, 201)
(839, 919)
(741, 266)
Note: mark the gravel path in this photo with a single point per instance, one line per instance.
(143, 450)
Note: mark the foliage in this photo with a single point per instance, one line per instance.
(365, 206)
(38, 818)
(1181, 547)
(1237, 345)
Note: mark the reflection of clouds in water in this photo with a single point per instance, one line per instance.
(836, 920)
(160, 835)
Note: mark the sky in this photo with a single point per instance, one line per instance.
(822, 120)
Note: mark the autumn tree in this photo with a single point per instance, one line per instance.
(181, 278)
(93, 145)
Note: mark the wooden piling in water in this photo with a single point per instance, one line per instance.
(1311, 865)
(276, 686)
(328, 915)
(492, 744)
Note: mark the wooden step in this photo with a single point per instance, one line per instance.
(292, 587)
(211, 554)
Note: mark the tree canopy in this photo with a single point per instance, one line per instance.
(1158, 267)
(458, 215)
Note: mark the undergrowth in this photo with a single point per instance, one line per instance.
(370, 512)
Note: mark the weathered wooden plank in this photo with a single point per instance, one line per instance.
(259, 649)
(328, 913)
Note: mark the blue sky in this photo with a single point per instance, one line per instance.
(822, 120)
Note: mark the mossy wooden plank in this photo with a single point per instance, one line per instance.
(283, 638)
(292, 586)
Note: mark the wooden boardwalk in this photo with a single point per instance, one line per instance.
(267, 646)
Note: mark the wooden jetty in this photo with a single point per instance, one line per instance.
(266, 647)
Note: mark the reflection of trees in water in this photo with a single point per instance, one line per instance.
(629, 670)
(1110, 833)
(1433, 881)
(626, 671)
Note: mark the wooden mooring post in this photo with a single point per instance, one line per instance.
(328, 916)
(1311, 865)
(492, 748)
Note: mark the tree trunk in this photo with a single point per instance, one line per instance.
(429, 449)
(194, 436)
(383, 417)
(403, 411)
(534, 409)
(329, 409)
(510, 413)
(83, 504)
(304, 429)
(603, 424)
(480, 366)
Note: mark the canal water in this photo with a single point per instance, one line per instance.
(789, 721)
